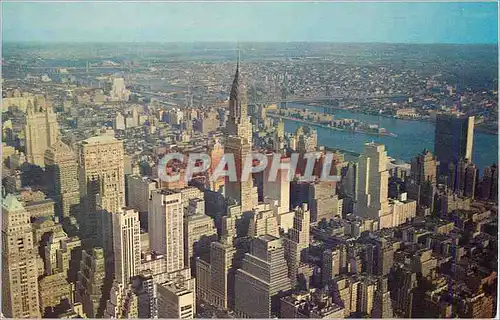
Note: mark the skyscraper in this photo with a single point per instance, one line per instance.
(262, 279)
(423, 168)
(216, 151)
(91, 285)
(40, 132)
(118, 90)
(239, 122)
(279, 188)
(62, 169)
(221, 277)
(102, 179)
(489, 183)
(175, 301)
(306, 139)
(165, 227)
(199, 232)
(126, 244)
(239, 144)
(454, 137)
(19, 270)
(372, 191)
(297, 243)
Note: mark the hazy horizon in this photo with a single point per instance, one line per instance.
(252, 42)
(260, 22)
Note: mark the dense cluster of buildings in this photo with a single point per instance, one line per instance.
(91, 230)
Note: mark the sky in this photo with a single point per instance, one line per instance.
(385, 22)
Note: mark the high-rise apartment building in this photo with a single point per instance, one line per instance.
(165, 227)
(126, 244)
(20, 297)
(262, 279)
(454, 138)
(62, 170)
(40, 132)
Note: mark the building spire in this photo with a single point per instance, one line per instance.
(238, 61)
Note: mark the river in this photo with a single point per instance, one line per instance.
(412, 137)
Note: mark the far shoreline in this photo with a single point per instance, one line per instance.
(476, 128)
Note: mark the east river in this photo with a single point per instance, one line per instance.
(412, 137)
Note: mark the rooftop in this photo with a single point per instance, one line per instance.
(100, 139)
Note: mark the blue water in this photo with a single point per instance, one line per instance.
(412, 137)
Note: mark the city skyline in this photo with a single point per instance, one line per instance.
(365, 22)
(317, 180)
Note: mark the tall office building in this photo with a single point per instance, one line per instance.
(91, 286)
(239, 122)
(209, 122)
(489, 183)
(40, 132)
(62, 170)
(262, 279)
(119, 122)
(279, 137)
(20, 297)
(239, 144)
(372, 191)
(454, 137)
(324, 203)
(279, 188)
(330, 265)
(215, 279)
(126, 244)
(297, 243)
(306, 139)
(215, 151)
(199, 232)
(382, 304)
(165, 227)
(175, 301)
(349, 187)
(118, 90)
(221, 277)
(139, 191)
(424, 168)
(467, 175)
(102, 179)
(122, 303)
(263, 222)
